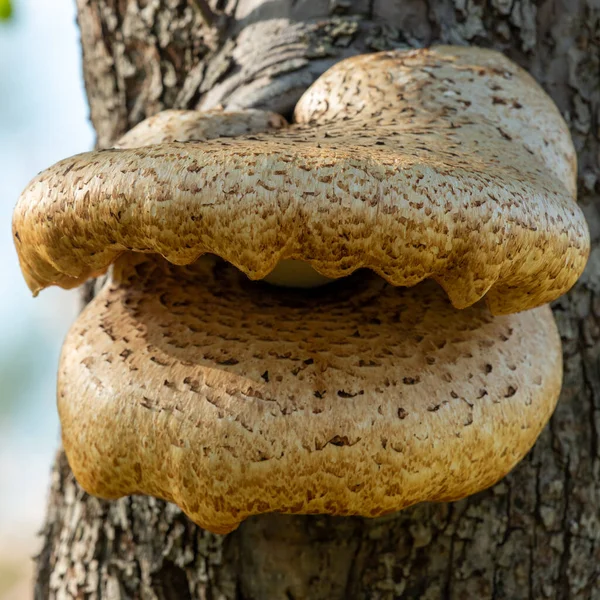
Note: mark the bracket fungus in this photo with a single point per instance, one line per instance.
(187, 380)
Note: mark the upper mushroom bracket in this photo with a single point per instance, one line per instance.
(449, 163)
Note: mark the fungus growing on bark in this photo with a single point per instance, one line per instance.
(449, 164)
(185, 125)
(232, 398)
(185, 380)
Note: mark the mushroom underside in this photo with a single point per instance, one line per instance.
(232, 398)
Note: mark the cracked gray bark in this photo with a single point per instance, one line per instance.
(534, 535)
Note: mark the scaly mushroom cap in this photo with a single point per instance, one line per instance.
(233, 398)
(185, 125)
(448, 163)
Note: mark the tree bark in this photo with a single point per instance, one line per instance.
(534, 535)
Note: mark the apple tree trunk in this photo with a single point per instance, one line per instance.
(534, 535)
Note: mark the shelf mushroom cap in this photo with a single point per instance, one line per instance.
(232, 398)
(185, 125)
(448, 163)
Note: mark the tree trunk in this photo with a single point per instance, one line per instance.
(534, 535)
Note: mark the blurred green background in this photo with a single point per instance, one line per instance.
(43, 118)
(5, 10)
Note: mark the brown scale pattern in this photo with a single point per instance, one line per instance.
(449, 164)
(184, 125)
(233, 398)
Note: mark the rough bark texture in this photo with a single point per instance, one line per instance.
(534, 535)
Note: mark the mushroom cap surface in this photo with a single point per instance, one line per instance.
(232, 398)
(448, 163)
(185, 125)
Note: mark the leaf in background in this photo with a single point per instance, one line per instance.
(5, 10)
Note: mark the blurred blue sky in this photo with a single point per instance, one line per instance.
(43, 118)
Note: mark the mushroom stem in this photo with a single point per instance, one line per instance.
(296, 273)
